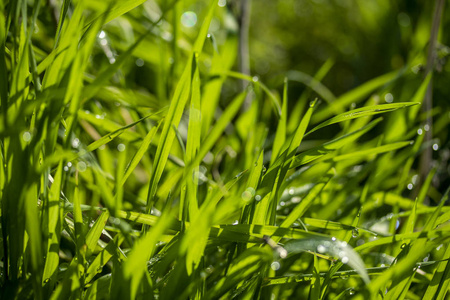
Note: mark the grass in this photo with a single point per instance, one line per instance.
(113, 191)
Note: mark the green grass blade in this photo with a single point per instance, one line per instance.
(54, 230)
(193, 145)
(335, 248)
(280, 135)
(314, 292)
(139, 154)
(372, 151)
(95, 232)
(317, 152)
(363, 112)
(312, 83)
(354, 96)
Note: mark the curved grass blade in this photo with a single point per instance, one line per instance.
(363, 112)
(314, 84)
(354, 96)
(299, 107)
(272, 97)
(315, 153)
(338, 249)
(372, 151)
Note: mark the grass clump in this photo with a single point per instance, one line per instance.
(135, 166)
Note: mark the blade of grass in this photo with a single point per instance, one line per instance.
(363, 112)
(354, 96)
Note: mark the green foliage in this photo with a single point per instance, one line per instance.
(137, 162)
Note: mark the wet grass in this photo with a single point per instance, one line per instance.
(114, 191)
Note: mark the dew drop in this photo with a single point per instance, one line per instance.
(410, 186)
(258, 198)
(333, 239)
(121, 147)
(296, 199)
(139, 62)
(255, 78)
(344, 260)
(291, 191)
(75, 143)
(397, 224)
(388, 98)
(264, 170)
(419, 131)
(435, 147)
(355, 233)
(222, 3)
(246, 196)
(403, 246)
(102, 34)
(81, 166)
(344, 276)
(275, 266)
(66, 168)
(26, 136)
(426, 127)
(282, 252)
(321, 249)
(189, 19)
